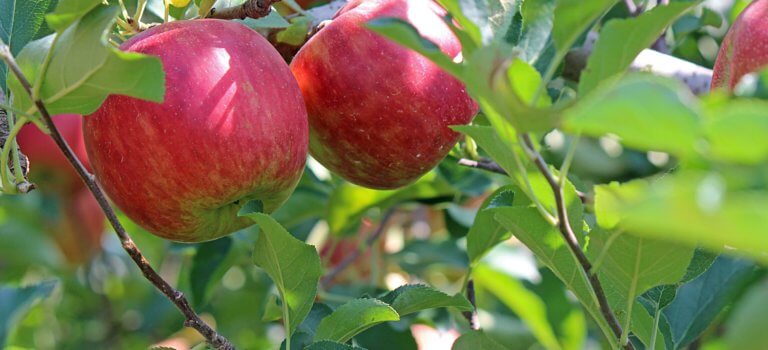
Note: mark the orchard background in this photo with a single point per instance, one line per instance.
(602, 197)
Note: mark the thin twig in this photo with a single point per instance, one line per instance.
(491, 166)
(349, 259)
(249, 9)
(216, 340)
(570, 238)
(471, 316)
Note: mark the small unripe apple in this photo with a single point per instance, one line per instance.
(745, 48)
(379, 113)
(232, 128)
(49, 169)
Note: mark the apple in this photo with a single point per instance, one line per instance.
(744, 49)
(379, 114)
(336, 250)
(79, 226)
(48, 166)
(232, 128)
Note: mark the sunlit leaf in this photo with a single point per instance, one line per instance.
(353, 318)
(621, 40)
(293, 265)
(409, 299)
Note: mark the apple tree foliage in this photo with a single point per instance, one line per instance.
(679, 248)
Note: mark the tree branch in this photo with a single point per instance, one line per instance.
(491, 166)
(471, 316)
(570, 238)
(249, 9)
(349, 259)
(216, 340)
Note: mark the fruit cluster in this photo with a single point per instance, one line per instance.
(237, 122)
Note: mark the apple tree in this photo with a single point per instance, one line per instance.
(383, 174)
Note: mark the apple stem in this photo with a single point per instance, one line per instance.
(327, 280)
(249, 9)
(216, 340)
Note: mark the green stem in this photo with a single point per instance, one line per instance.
(139, 13)
(566, 166)
(167, 11)
(7, 147)
(286, 323)
(655, 329)
(123, 9)
(15, 111)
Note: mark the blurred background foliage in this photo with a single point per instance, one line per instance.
(101, 301)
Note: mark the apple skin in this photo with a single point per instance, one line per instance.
(745, 48)
(48, 166)
(232, 128)
(379, 113)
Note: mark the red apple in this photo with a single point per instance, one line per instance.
(79, 227)
(48, 166)
(745, 47)
(379, 113)
(232, 128)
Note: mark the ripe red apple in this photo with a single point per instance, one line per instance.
(232, 128)
(379, 113)
(48, 166)
(745, 48)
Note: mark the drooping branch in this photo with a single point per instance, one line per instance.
(192, 320)
(249, 9)
(564, 225)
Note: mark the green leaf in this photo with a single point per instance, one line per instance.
(69, 11)
(475, 340)
(690, 208)
(296, 33)
(498, 148)
(535, 42)
(293, 265)
(524, 303)
(329, 345)
(472, 17)
(546, 242)
(353, 318)
(16, 301)
(735, 131)
(574, 17)
(645, 112)
(305, 332)
(409, 299)
(699, 302)
(628, 266)
(486, 232)
(208, 268)
(406, 35)
(84, 69)
(20, 21)
(397, 337)
(746, 326)
(621, 40)
(272, 20)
